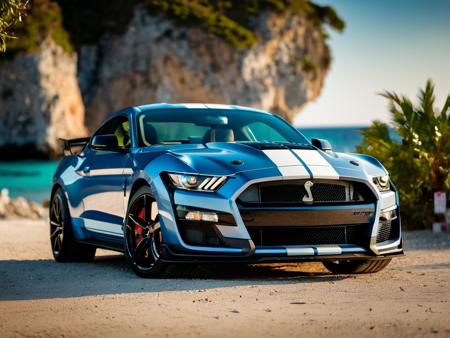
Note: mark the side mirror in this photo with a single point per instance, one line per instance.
(106, 142)
(323, 145)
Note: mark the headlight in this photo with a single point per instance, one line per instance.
(197, 182)
(382, 182)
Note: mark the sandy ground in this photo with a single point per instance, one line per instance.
(41, 298)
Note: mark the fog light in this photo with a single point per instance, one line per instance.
(201, 216)
(388, 215)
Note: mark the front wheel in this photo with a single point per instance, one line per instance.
(358, 266)
(143, 239)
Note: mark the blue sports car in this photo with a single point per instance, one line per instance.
(175, 184)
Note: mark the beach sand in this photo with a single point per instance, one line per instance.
(42, 298)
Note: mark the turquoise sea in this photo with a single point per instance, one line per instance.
(32, 178)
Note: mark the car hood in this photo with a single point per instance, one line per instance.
(232, 158)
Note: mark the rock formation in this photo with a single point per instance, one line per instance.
(19, 207)
(156, 61)
(48, 93)
(40, 101)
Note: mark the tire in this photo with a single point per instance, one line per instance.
(143, 239)
(354, 267)
(62, 240)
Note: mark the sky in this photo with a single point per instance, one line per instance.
(387, 45)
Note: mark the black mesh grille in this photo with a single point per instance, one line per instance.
(199, 233)
(384, 231)
(274, 236)
(282, 193)
(323, 191)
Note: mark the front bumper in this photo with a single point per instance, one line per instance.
(238, 244)
(274, 255)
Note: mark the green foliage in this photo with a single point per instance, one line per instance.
(308, 65)
(11, 12)
(86, 21)
(233, 21)
(420, 164)
(44, 19)
(72, 23)
(210, 16)
(326, 15)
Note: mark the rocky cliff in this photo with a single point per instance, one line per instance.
(155, 59)
(40, 102)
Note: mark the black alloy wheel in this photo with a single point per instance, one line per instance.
(62, 240)
(143, 239)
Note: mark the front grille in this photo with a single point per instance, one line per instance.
(280, 236)
(324, 192)
(321, 192)
(294, 191)
(384, 231)
(279, 213)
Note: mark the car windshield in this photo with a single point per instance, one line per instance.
(176, 126)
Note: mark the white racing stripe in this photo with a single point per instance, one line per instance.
(318, 165)
(110, 171)
(324, 172)
(194, 105)
(300, 251)
(217, 106)
(313, 250)
(328, 250)
(282, 157)
(311, 157)
(287, 163)
(294, 171)
(103, 227)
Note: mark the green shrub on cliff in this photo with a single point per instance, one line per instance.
(72, 23)
(11, 12)
(230, 20)
(420, 164)
(44, 20)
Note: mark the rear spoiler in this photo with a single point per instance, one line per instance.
(69, 145)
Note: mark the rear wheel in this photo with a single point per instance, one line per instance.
(143, 239)
(62, 240)
(359, 266)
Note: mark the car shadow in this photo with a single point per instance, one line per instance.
(44, 279)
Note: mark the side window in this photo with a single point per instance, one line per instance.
(120, 127)
(261, 132)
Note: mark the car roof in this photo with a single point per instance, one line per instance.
(159, 106)
(134, 110)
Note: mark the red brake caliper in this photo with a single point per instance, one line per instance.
(138, 229)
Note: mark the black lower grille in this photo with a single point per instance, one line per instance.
(384, 231)
(199, 233)
(274, 236)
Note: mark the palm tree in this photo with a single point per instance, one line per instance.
(420, 163)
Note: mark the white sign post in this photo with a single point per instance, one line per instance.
(440, 208)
